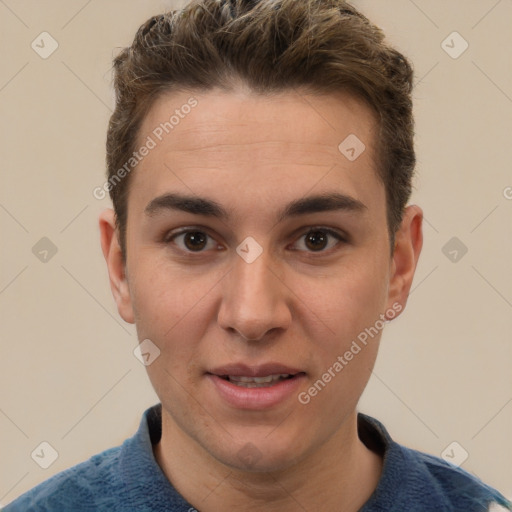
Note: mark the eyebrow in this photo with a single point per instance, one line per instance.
(210, 208)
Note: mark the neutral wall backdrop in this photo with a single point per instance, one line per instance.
(67, 372)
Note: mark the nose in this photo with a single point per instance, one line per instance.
(255, 300)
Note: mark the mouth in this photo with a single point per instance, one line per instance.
(257, 382)
(255, 387)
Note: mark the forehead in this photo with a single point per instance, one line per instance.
(295, 116)
(221, 141)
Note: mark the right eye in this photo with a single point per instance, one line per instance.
(191, 240)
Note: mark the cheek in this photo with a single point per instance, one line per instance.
(356, 311)
(164, 294)
(346, 345)
(167, 305)
(347, 302)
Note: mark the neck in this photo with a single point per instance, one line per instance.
(339, 475)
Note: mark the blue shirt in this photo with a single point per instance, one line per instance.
(128, 478)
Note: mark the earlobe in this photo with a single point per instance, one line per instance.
(115, 264)
(408, 244)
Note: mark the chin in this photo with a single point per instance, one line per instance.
(250, 458)
(262, 454)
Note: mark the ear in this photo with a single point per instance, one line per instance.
(115, 264)
(408, 244)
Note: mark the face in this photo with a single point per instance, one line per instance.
(257, 257)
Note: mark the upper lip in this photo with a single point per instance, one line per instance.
(263, 370)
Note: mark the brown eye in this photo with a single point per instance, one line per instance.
(316, 240)
(191, 241)
(319, 240)
(195, 240)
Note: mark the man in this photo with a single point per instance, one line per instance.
(260, 159)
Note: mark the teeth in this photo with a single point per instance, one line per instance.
(255, 382)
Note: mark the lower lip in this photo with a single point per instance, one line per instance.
(256, 398)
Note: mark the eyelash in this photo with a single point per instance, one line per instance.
(341, 238)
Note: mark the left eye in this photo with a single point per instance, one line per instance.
(317, 240)
(194, 241)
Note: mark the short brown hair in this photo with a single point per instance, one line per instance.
(323, 46)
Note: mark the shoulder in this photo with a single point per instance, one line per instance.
(413, 480)
(456, 487)
(123, 478)
(425, 483)
(78, 488)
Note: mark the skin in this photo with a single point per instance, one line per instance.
(296, 304)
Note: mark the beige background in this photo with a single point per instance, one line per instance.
(67, 372)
